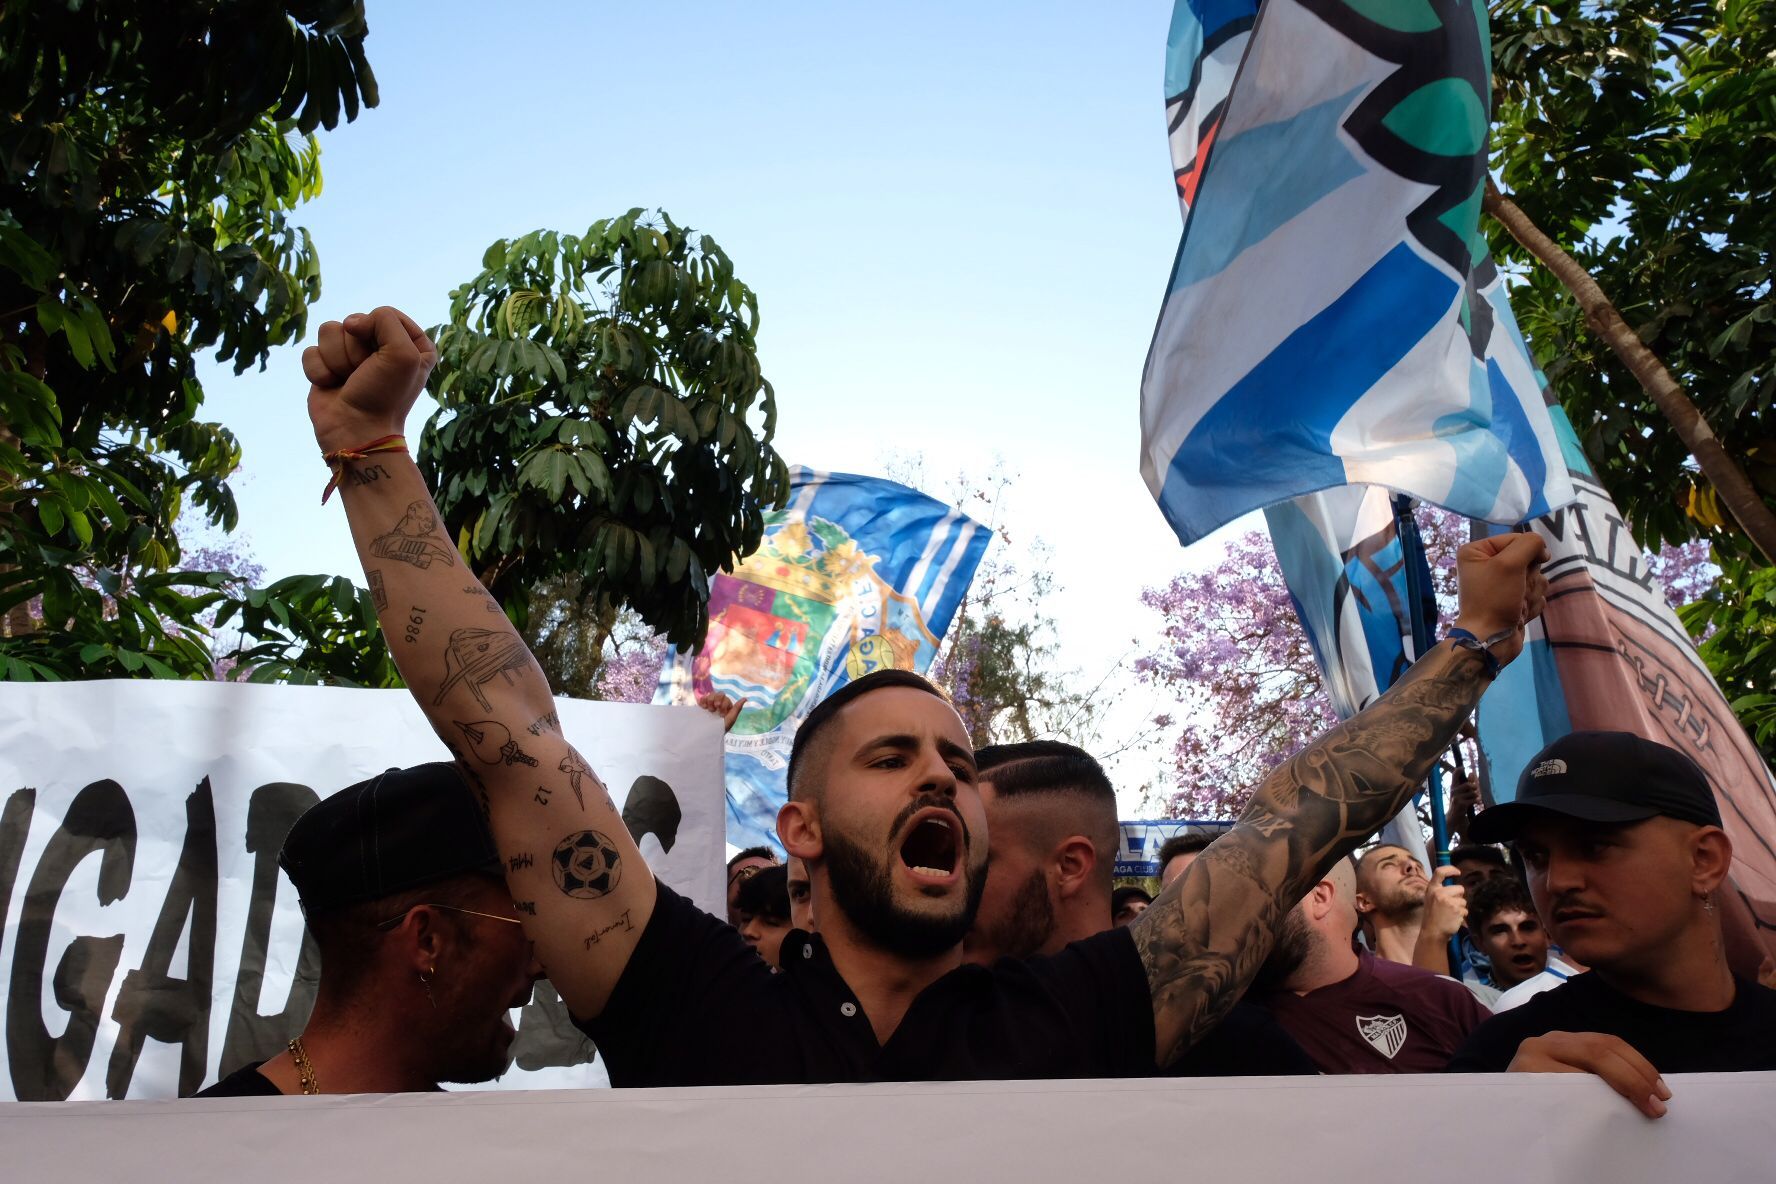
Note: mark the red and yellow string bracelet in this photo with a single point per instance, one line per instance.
(336, 460)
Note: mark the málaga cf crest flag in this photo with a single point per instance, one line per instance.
(856, 574)
(1332, 315)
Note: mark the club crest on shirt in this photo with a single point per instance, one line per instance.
(1386, 1034)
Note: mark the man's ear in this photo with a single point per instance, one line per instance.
(425, 939)
(1711, 858)
(1074, 860)
(1365, 906)
(798, 825)
(1319, 901)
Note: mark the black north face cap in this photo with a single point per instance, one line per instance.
(397, 831)
(1603, 777)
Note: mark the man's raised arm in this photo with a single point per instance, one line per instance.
(1208, 933)
(570, 863)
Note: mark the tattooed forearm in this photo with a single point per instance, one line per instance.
(492, 743)
(415, 539)
(622, 923)
(586, 865)
(1210, 930)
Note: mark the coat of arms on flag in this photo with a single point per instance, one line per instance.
(855, 574)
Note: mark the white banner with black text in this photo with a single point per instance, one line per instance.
(146, 931)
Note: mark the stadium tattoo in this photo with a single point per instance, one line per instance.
(477, 657)
(622, 922)
(414, 539)
(492, 743)
(586, 865)
(1205, 937)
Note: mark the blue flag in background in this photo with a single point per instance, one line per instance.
(1332, 316)
(855, 574)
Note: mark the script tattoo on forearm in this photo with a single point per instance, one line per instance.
(1208, 933)
(365, 474)
(415, 622)
(415, 539)
(586, 865)
(622, 922)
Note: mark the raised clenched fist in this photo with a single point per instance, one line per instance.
(1502, 588)
(365, 374)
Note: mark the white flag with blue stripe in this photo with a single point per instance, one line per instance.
(1333, 317)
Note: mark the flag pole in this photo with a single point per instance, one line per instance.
(1423, 639)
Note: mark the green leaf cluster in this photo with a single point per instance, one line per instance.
(603, 415)
(1641, 135)
(149, 159)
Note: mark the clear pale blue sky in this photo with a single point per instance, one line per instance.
(958, 219)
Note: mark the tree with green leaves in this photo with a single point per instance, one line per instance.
(604, 421)
(151, 158)
(1637, 193)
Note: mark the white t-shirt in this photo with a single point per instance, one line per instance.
(1556, 973)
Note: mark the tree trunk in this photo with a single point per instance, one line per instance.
(1736, 492)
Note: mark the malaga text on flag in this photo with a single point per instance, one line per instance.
(1609, 654)
(855, 574)
(1332, 315)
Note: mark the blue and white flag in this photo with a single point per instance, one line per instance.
(1332, 316)
(855, 574)
(1363, 592)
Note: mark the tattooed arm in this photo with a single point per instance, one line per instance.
(571, 866)
(1211, 929)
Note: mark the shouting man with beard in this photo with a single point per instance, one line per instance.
(884, 813)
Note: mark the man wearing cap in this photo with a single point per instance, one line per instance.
(422, 954)
(1621, 840)
(884, 811)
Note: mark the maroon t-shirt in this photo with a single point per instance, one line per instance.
(1385, 1018)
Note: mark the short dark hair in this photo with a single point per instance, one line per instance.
(823, 713)
(1119, 899)
(1184, 843)
(766, 894)
(348, 937)
(752, 853)
(1479, 853)
(1044, 766)
(1496, 896)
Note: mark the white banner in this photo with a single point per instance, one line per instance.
(1552, 1128)
(146, 932)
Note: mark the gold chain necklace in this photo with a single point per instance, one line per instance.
(304, 1067)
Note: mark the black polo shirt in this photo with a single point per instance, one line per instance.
(696, 1006)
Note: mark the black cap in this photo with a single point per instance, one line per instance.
(401, 830)
(1603, 777)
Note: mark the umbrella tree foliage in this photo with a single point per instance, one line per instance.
(603, 417)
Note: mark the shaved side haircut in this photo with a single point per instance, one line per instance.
(1062, 776)
(809, 751)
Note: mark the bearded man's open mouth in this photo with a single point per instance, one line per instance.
(931, 852)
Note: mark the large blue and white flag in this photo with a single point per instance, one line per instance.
(855, 574)
(1332, 316)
